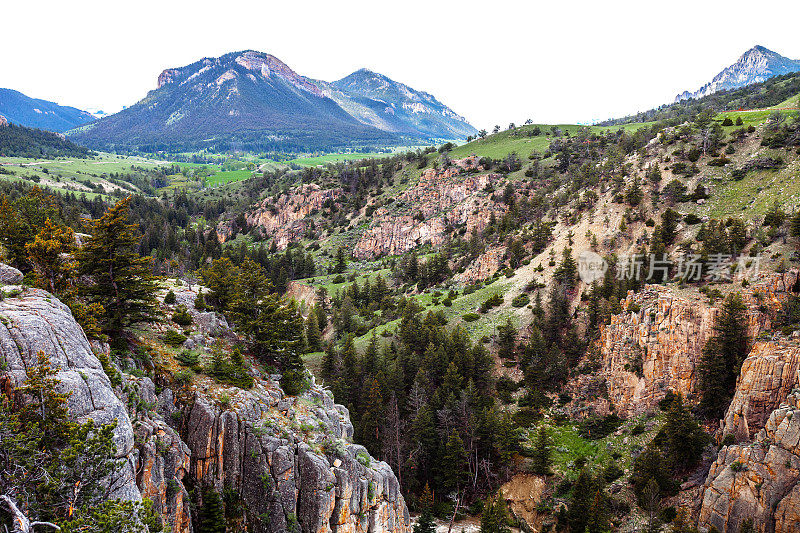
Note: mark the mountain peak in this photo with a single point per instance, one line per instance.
(756, 65)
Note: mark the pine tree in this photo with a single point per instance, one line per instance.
(121, 280)
(50, 253)
(722, 357)
(313, 334)
(681, 438)
(425, 524)
(21, 220)
(494, 518)
(212, 512)
(454, 464)
(541, 452)
(507, 340)
(567, 272)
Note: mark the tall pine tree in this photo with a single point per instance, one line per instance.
(121, 280)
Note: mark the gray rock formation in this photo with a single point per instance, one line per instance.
(291, 460)
(9, 275)
(36, 321)
(292, 463)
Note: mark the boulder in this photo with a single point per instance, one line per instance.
(9, 275)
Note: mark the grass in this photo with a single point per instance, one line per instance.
(334, 158)
(227, 176)
(568, 446)
(501, 144)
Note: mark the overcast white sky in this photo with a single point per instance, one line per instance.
(493, 62)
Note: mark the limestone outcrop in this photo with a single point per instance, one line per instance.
(290, 460)
(35, 321)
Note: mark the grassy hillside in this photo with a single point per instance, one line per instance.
(523, 141)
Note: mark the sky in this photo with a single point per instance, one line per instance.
(492, 62)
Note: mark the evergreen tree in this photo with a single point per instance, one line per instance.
(50, 253)
(313, 333)
(425, 524)
(541, 452)
(681, 438)
(212, 512)
(121, 281)
(454, 464)
(494, 518)
(60, 470)
(507, 340)
(21, 220)
(722, 357)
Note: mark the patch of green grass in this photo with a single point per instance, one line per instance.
(228, 176)
(567, 446)
(499, 145)
(334, 158)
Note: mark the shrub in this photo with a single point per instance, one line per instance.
(471, 317)
(174, 339)
(493, 301)
(188, 358)
(612, 472)
(181, 316)
(169, 299)
(183, 377)
(521, 301)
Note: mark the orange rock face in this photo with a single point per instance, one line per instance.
(288, 219)
(758, 481)
(656, 348)
(767, 377)
(441, 199)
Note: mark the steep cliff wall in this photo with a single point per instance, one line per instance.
(656, 344)
(758, 481)
(440, 199)
(767, 377)
(291, 461)
(287, 220)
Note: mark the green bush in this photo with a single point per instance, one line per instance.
(493, 301)
(169, 299)
(188, 358)
(471, 317)
(521, 301)
(174, 339)
(181, 316)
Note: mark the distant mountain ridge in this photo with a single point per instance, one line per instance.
(754, 66)
(23, 110)
(253, 100)
(375, 99)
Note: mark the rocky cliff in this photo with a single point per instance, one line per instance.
(758, 481)
(289, 461)
(287, 219)
(655, 345)
(440, 201)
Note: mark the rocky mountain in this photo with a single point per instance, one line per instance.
(756, 65)
(290, 461)
(253, 100)
(379, 101)
(35, 113)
